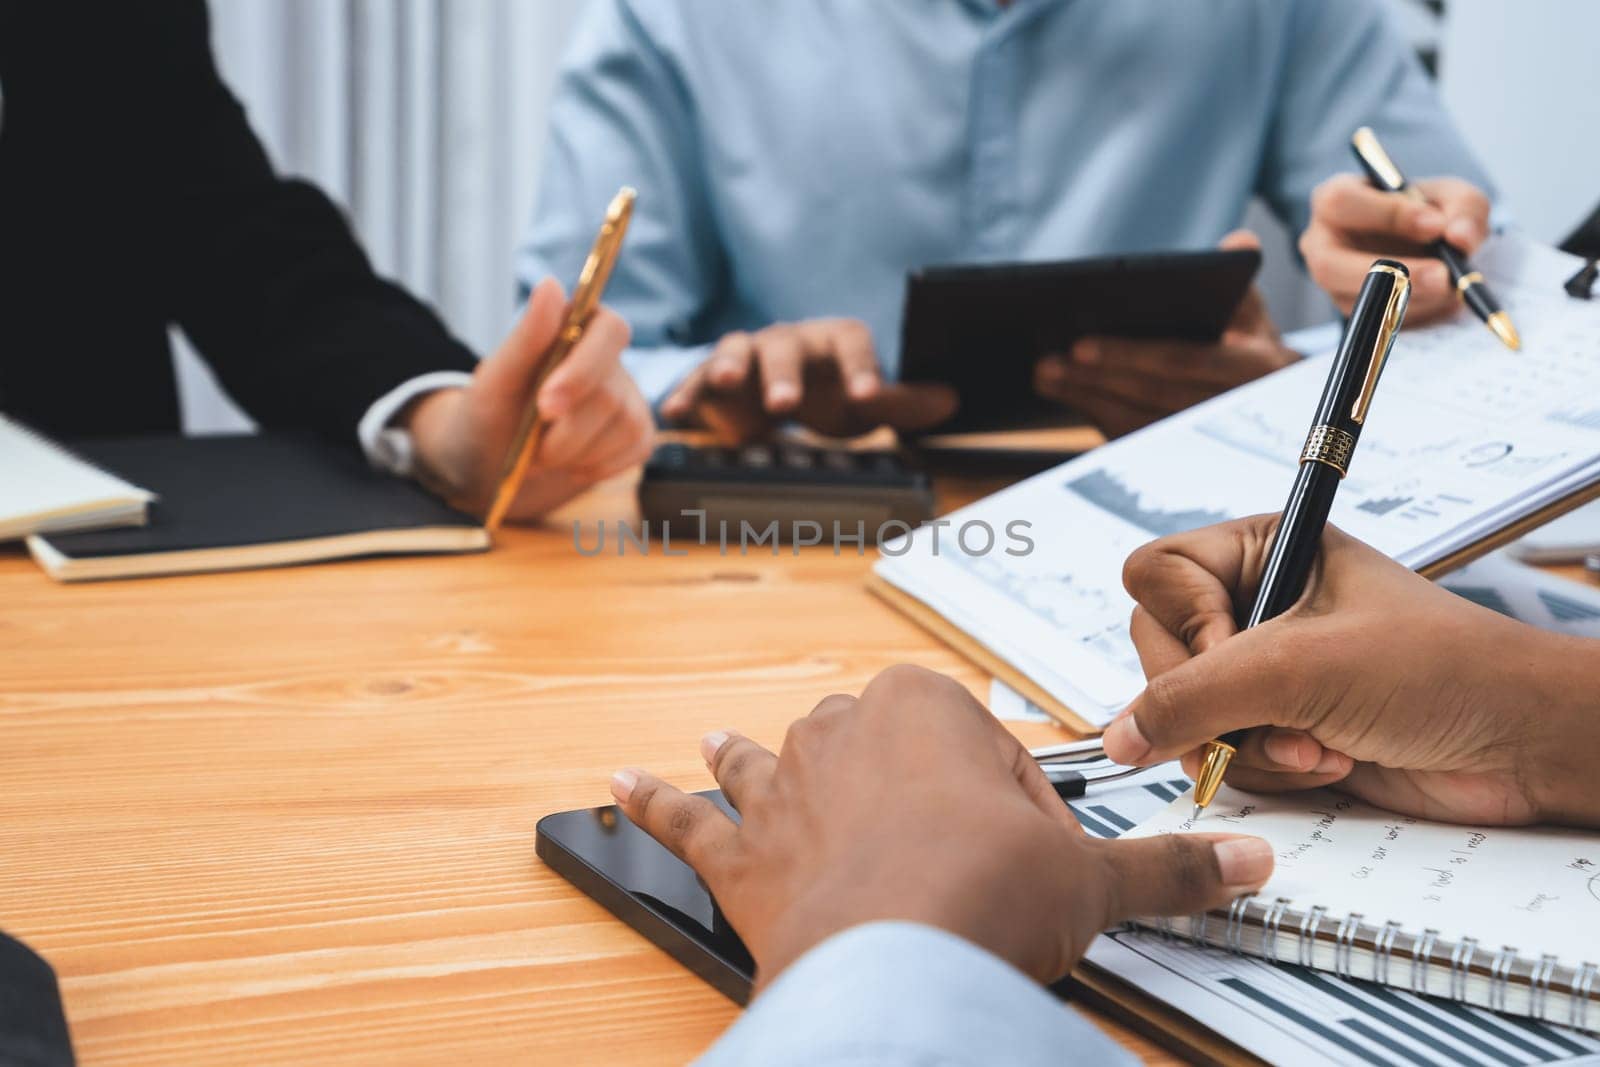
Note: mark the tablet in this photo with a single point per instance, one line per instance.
(982, 328)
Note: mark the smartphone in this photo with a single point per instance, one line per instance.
(604, 854)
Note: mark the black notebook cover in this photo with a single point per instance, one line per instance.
(239, 492)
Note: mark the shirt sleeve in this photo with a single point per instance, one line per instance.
(621, 116)
(1344, 66)
(902, 993)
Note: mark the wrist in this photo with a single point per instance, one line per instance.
(1557, 767)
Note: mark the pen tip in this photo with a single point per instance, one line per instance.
(1500, 323)
(1197, 810)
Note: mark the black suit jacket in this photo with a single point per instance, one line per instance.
(133, 195)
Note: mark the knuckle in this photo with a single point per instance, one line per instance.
(1188, 865)
(680, 822)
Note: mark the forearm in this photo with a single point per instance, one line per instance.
(1561, 768)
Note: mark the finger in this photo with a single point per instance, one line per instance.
(1256, 678)
(1238, 240)
(1349, 203)
(1195, 367)
(908, 405)
(587, 367)
(691, 827)
(1113, 416)
(1159, 649)
(568, 440)
(780, 360)
(681, 401)
(732, 361)
(1341, 270)
(742, 768)
(1192, 583)
(1165, 390)
(509, 371)
(851, 344)
(1465, 208)
(625, 442)
(1257, 780)
(1180, 874)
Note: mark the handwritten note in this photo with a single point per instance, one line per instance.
(1535, 888)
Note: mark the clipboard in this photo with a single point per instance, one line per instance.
(974, 650)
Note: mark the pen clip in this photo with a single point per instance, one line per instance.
(1394, 314)
(1372, 155)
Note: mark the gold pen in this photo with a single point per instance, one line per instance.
(1468, 280)
(585, 299)
(1346, 399)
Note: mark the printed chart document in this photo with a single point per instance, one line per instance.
(1286, 1013)
(1464, 439)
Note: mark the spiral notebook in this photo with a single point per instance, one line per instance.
(1501, 918)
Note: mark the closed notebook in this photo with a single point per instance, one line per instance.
(44, 488)
(1504, 918)
(231, 503)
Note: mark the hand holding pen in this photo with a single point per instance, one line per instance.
(1324, 460)
(1353, 221)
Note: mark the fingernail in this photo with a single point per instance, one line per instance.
(622, 783)
(863, 384)
(1284, 750)
(1430, 219)
(1243, 861)
(711, 744)
(1052, 368)
(1330, 763)
(1086, 352)
(782, 393)
(1123, 741)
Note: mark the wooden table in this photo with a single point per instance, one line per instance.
(287, 816)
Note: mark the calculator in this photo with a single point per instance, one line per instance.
(733, 495)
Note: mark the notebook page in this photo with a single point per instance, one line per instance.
(1535, 888)
(42, 484)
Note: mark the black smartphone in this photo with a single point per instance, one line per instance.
(981, 328)
(604, 854)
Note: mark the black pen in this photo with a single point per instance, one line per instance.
(1374, 322)
(1468, 280)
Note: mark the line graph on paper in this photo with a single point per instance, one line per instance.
(1087, 614)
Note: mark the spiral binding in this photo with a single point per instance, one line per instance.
(1423, 952)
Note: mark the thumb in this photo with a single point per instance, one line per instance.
(1255, 678)
(1251, 315)
(510, 370)
(1181, 874)
(1238, 239)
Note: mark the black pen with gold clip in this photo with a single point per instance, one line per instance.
(1374, 321)
(1468, 280)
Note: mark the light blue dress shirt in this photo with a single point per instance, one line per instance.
(903, 994)
(795, 158)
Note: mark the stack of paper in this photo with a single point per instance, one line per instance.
(1465, 438)
(46, 489)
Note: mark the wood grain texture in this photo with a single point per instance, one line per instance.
(287, 816)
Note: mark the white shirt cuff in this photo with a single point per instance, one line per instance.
(389, 447)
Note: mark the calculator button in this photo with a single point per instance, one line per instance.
(798, 458)
(756, 456)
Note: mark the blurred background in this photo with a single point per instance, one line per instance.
(425, 119)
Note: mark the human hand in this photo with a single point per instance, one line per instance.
(597, 423)
(913, 803)
(1377, 681)
(1351, 222)
(1123, 383)
(821, 373)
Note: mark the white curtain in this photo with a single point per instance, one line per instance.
(424, 119)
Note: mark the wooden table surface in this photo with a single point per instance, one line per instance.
(288, 816)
